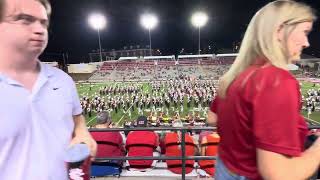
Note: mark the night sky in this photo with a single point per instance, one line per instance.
(70, 33)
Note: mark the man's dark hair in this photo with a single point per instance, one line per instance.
(45, 3)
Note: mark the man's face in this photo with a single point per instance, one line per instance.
(24, 27)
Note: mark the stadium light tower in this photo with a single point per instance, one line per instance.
(149, 21)
(199, 19)
(97, 22)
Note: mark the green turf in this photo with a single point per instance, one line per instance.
(120, 117)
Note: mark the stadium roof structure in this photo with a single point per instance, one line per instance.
(196, 56)
(172, 57)
(128, 58)
(227, 55)
(309, 60)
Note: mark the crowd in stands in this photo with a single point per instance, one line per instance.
(307, 72)
(150, 69)
(311, 74)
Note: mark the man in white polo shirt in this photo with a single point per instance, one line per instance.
(40, 113)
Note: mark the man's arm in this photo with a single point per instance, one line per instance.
(82, 135)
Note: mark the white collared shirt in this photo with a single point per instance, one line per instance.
(36, 127)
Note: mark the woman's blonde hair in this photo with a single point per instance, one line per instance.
(261, 40)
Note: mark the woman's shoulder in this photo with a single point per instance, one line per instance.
(274, 75)
(268, 78)
(273, 69)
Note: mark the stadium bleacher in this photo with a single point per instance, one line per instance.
(162, 67)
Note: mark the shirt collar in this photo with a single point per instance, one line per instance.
(44, 70)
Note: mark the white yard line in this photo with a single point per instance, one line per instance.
(117, 124)
(316, 122)
(91, 119)
(123, 116)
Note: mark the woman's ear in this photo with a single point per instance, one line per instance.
(280, 33)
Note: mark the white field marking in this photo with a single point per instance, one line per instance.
(91, 119)
(312, 120)
(123, 116)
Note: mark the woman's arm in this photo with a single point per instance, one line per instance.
(276, 166)
(212, 118)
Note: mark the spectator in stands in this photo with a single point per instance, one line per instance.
(258, 104)
(110, 144)
(172, 141)
(142, 143)
(46, 113)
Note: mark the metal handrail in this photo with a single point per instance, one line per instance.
(183, 157)
(158, 158)
(152, 129)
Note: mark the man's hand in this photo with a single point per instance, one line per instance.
(88, 140)
(82, 135)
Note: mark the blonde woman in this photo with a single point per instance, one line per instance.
(258, 104)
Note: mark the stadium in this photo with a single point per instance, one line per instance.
(149, 93)
(146, 97)
(165, 89)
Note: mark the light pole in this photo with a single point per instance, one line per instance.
(97, 22)
(149, 21)
(199, 19)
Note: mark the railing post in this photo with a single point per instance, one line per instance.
(183, 153)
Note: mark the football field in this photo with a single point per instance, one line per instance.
(132, 113)
(304, 88)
